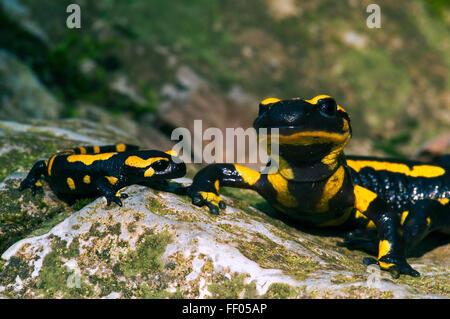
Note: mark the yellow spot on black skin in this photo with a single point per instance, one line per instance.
(172, 153)
(345, 126)
(280, 184)
(149, 172)
(383, 248)
(136, 161)
(359, 215)
(87, 179)
(370, 224)
(331, 159)
(249, 175)
(216, 185)
(332, 187)
(316, 99)
(384, 265)
(112, 180)
(38, 183)
(270, 100)
(285, 169)
(427, 171)
(444, 201)
(82, 150)
(89, 159)
(70, 183)
(120, 147)
(50, 164)
(96, 149)
(403, 217)
(363, 198)
(211, 198)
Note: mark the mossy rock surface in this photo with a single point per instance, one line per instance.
(21, 91)
(158, 245)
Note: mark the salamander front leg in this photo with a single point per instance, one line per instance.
(109, 191)
(32, 180)
(205, 186)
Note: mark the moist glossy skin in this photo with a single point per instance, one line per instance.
(102, 170)
(317, 185)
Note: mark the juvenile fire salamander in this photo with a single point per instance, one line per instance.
(102, 170)
(317, 185)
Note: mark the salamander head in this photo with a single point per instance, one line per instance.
(309, 130)
(156, 164)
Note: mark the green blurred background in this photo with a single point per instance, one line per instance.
(147, 67)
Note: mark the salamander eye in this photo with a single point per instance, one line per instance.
(327, 107)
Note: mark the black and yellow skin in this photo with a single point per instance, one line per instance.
(317, 185)
(102, 170)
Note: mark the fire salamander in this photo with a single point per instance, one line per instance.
(317, 185)
(102, 170)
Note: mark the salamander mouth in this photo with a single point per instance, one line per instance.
(301, 135)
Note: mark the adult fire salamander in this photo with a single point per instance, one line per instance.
(317, 185)
(102, 170)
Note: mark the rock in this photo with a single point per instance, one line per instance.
(122, 84)
(152, 138)
(283, 9)
(21, 145)
(99, 115)
(188, 79)
(197, 101)
(22, 95)
(432, 150)
(238, 95)
(21, 14)
(158, 245)
(355, 39)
